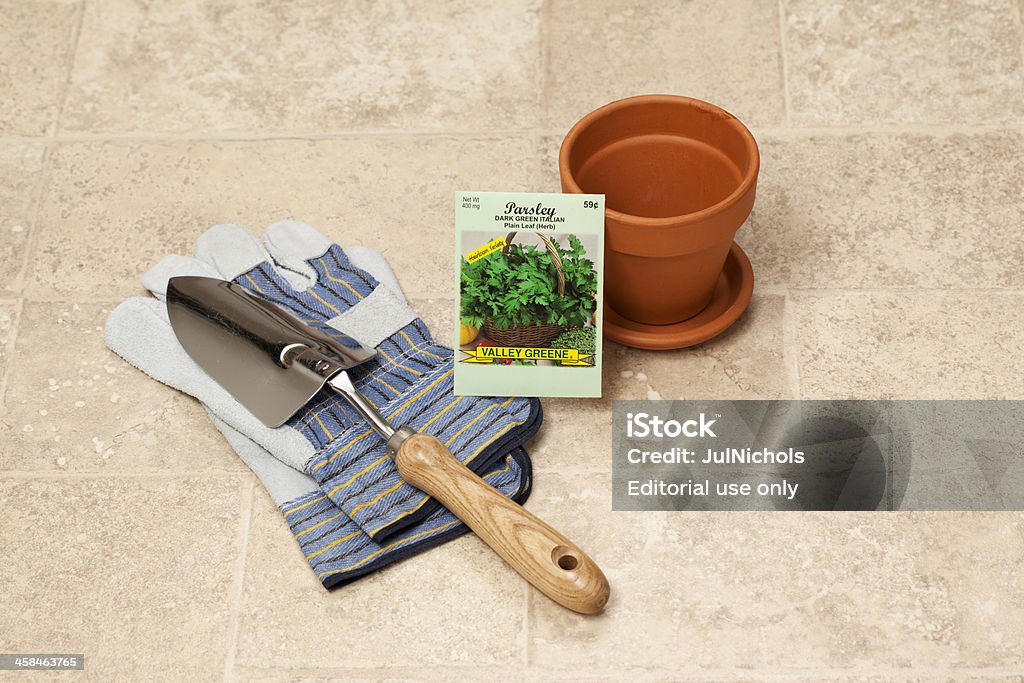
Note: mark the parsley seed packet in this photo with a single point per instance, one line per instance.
(529, 271)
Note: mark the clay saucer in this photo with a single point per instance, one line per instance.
(731, 297)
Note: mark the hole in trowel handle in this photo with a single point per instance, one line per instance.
(564, 558)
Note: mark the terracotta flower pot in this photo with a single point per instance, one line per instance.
(678, 176)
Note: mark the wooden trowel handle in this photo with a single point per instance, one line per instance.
(552, 563)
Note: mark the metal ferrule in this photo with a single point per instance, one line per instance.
(398, 438)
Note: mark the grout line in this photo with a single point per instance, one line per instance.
(784, 66)
(840, 291)
(1018, 22)
(39, 190)
(76, 34)
(15, 139)
(651, 672)
(435, 672)
(524, 635)
(60, 299)
(790, 344)
(890, 129)
(19, 308)
(491, 134)
(582, 470)
(545, 61)
(33, 213)
(253, 136)
(238, 584)
(778, 290)
(97, 474)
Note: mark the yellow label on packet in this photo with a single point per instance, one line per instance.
(491, 354)
(486, 250)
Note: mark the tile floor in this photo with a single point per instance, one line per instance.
(886, 242)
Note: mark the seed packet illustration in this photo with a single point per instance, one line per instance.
(529, 277)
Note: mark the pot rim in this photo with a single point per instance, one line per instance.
(746, 184)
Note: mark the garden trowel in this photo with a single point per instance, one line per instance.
(273, 363)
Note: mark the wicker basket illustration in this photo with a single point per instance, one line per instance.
(535, 334)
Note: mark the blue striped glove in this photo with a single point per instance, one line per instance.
(410, 381)
(336, 549)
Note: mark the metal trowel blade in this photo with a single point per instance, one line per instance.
(267, 359)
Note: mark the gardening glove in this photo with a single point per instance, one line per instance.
(410, 381)
(336, 549)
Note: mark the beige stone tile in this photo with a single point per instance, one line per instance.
(455, 604)
(576, 435)
(115, 209)
(668, 609)
(134, 573)
(35, 42)
(898, 211)
(928, 590)
(746, 362)
(905, 63)
(722, 595)
(73, 405)
(548, 147)
(726, 53)
(438, 314)
(20, 167)
(911, 345)
(205, 66)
